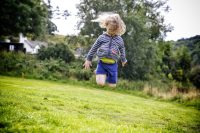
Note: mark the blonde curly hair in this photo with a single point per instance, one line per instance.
(112, 22)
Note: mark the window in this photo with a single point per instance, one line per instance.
(12, 47)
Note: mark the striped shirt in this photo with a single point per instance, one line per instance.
(109, 47)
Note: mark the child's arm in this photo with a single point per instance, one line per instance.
(94, 48)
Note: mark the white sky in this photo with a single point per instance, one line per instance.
(66, 26)
(184, 16)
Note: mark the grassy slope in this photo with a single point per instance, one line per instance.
(32, 105)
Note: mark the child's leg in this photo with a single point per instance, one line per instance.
(100, 74)
(112, 79)
(101, 79)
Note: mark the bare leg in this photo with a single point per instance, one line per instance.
(101, 79)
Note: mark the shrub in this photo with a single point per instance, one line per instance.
(11, 61)
(57, 51)
(20, 64)
(195, 76)
(81, 74)
(77, 70)
(51, 69)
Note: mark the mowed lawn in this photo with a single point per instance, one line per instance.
(41, 106)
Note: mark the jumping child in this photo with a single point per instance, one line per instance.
(109, 47)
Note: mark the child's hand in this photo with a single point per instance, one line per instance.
(87, 64)
(124, 63)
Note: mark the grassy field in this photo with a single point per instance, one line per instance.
(41, 106)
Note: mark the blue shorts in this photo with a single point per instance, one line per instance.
(110, 70)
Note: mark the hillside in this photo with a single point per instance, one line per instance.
(41, 106)
(192, 43)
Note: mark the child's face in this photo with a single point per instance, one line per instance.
(111, 25)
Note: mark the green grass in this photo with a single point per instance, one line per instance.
(41, 106)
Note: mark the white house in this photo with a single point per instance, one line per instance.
(31, 47)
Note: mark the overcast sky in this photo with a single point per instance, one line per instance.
(184, 16)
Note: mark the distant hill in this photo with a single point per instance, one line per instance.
(56, 38)
(191, 43)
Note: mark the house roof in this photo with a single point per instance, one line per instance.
(33, 44)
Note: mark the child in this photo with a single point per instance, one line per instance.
(109, 48)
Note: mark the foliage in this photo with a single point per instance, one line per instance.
(23, 16)
(193, 44)
(24, 65)
(195, 76)
(195, 53)
(12, 62)
(56, 51)
(50, 25)
(51, 69)
(19, 64)
(176, 61)
(182, 64)
(78, 72)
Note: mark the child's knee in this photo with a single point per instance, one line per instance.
(100, 79)
(101, 84)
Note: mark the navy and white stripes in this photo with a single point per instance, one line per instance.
(108, 46)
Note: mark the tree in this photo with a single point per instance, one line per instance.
(195, 76)
(196, 54)
(51, 27)
(144, 23)
(183, 64)
(193, 45)
(27, 16)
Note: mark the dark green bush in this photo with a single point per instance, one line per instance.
(81, 74)
(77, 70)
(20, 64)
(14, 63)
(50, 69)
(56, 51)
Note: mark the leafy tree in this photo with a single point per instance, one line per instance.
(195, 76)
(183, 64)
(26, 16)
(196, 54)
(51, 27)
(166, 53)
(144, 22)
